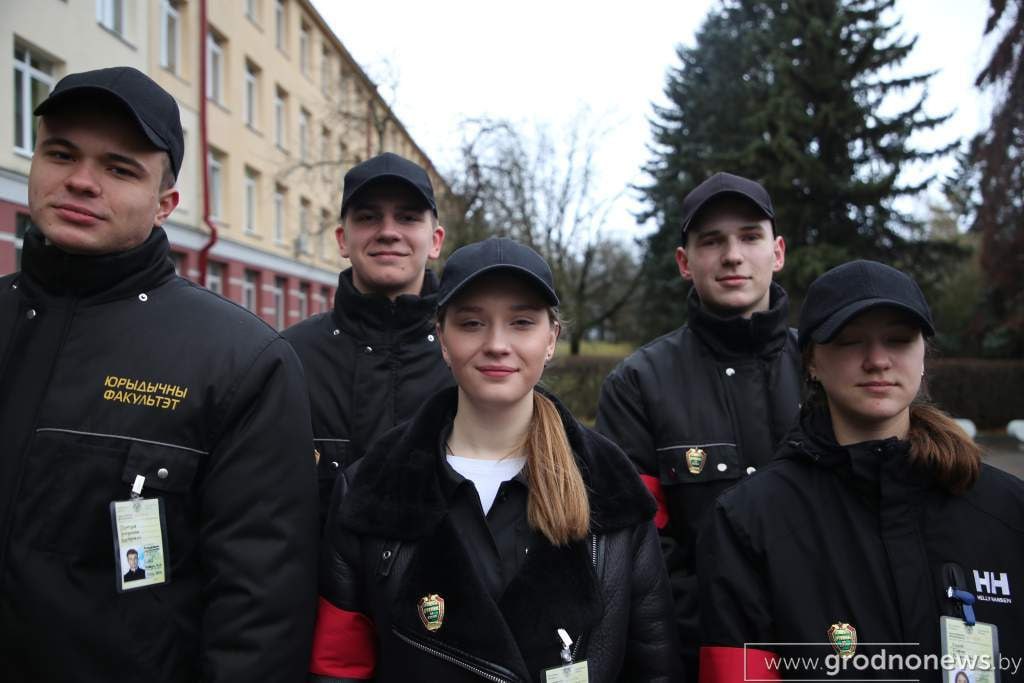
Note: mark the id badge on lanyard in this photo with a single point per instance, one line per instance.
(569, 671)
(970, 648)
(140, 541)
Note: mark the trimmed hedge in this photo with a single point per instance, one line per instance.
(989, 392)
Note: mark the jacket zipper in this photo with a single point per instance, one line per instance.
(450, 659)
(593, 561)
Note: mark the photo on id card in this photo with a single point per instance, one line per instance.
(140, 543)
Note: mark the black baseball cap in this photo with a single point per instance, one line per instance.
(468, 263)
(152, 107)
(387, 165)
(852, 288)
(725, 183)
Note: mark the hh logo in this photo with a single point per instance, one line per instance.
(990, 585)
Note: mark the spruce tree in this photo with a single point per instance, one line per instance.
(789, 93)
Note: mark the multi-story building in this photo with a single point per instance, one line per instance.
(287, 111)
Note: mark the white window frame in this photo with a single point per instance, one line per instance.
(251, 10)
(323, 232)
(25, 119)
(326, 62)
(279, 216)
(250, 198)
(304, 125)
(302, 300)
(215, 277)
(280, 33)
(250, 290)
(214, 69)
(170, 41)
(302, 239)
(278, 291)
(305, 40)
(110, 15)
(216, 176)
(280, 118)
(250, 96)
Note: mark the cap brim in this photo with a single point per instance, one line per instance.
(740, 193)
(431, 204)
(48, 105)
(827, 331)
(545, 290)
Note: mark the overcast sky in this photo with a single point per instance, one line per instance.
(540, 62)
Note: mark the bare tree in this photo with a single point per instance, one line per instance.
(541, 190)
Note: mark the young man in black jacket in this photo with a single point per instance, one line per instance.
(372, 361)
(703, 406)
(142, 416)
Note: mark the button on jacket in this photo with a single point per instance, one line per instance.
(370, 364)
(728, 388)
(113, 367)
(856, 535)
(398, 534)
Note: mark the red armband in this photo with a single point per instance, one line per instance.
(654, 486)
(734, 664)
(343, 643)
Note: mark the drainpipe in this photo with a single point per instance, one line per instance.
(204, 146)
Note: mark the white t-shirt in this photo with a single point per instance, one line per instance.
(487, 475)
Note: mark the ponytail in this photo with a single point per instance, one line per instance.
(938, 444)
(557, 504)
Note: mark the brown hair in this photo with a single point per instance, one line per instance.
(558, 506)
(937, 443)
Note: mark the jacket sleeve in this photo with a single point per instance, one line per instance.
(652, 649)
(621, 416)
(734, 602)
(258, 522)
(344, 641)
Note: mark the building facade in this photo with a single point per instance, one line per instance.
(287, 112)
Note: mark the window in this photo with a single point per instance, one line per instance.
(326, 69)
(110, 14)
(303, 300)
(324, 234)
(252, 10)
(304, 135)
(215, 277)
(279, 215)
(278, 292)
(251, 94)
(32, 83)
(280, 117)
(325, 298)
(22, 222)
(302, 241)
(215, 163)
(170, 25)
(252, 179)
(304, 41)
(250, 292)
(178, 259)
(214, 68)
(280, 32)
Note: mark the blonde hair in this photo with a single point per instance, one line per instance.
(557, 506)
(937, 443)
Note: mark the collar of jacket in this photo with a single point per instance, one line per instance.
(376, 317)
(813, 440)
(399, 491)
(105, 277)
(762, 334)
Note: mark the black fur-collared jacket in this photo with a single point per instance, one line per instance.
(390, 543)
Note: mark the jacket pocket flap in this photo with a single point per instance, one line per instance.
(165, 468)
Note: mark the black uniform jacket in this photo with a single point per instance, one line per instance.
(855, 535)
(391, 541)
(112, 367)
(729, 388)
(370, 364)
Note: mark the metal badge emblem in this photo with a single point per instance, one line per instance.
(844, 639)
(431, 609)
(695, 459)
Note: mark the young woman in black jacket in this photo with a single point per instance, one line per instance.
(493, 537)
(878, 543)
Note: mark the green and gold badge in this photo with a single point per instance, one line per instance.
(431, 609)
(843, 638)
(695, 459)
